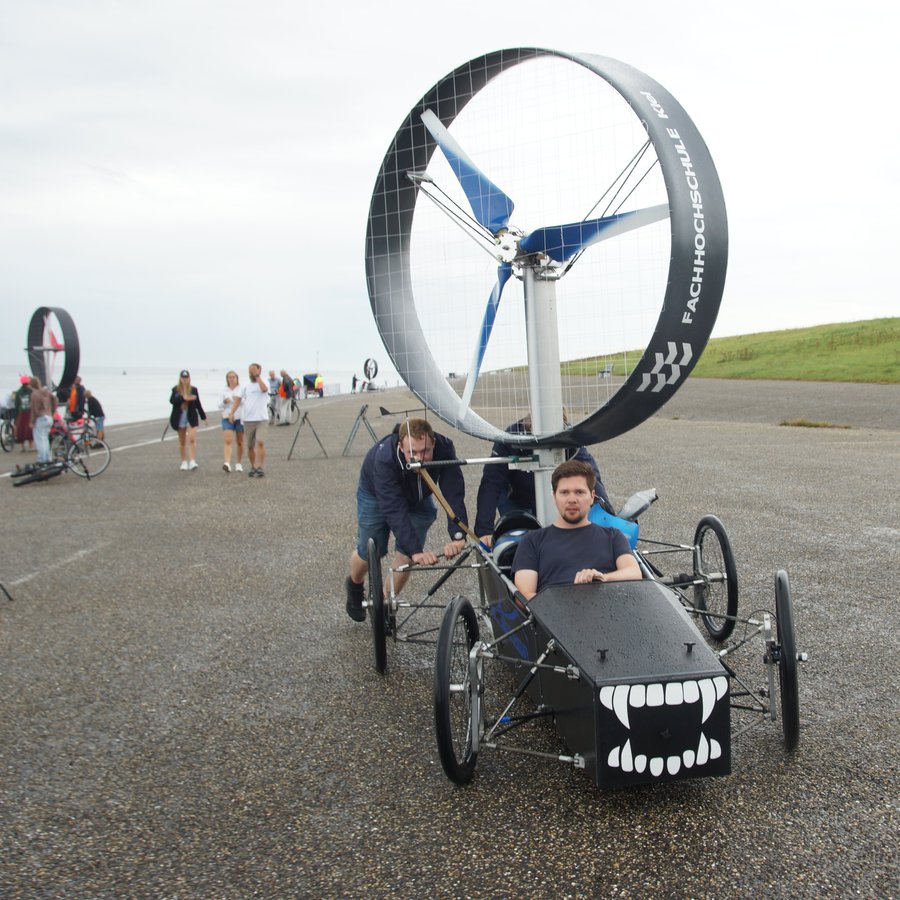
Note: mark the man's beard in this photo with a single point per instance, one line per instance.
(574, 518)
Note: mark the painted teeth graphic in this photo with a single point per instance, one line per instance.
(622, 697)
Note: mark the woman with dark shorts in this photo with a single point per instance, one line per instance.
(232, 428)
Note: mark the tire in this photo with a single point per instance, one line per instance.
(293, 412)
(714, 565)
(376, 607)
(787, 662)
(453, 719)
(59, 446)
(7, 435)
(271, 411)
(88, 458)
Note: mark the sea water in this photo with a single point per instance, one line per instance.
(141, 394)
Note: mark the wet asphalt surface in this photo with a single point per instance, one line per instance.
(187, 711)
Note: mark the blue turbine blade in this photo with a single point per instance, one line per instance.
(490, 206)
(562, 242)
(504, 270)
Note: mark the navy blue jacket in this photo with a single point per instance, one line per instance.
(398, 490)
(498, 480)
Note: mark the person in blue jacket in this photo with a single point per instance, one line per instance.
(391, 498)
(506, 490)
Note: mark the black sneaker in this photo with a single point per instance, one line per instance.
(260, 473)
(355, 595)
(251, 473)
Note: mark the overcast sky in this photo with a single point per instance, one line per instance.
(190, 179)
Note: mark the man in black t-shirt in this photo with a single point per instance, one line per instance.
(573, 549)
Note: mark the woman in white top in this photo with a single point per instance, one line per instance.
(232, 430)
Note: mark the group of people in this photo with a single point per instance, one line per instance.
(32, 406)
(244, 409)
(392, 498)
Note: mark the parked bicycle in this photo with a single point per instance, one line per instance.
(77, 443)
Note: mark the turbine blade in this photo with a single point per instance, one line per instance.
(484, 335)
(490, 206)
(562, 242)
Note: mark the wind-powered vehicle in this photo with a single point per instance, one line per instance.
(622, 669)
(637, 691)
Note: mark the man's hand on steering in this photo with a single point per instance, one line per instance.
(454, 548)
(585, 576)
(425, 558)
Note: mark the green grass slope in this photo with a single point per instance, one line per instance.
(866, 351)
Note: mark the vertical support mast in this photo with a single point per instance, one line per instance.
(544, 380)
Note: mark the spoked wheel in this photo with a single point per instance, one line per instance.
(714, 566)
(89, 458)
(293, 413)
(453, 690)
(376, 607)
(58, 446)
(7, 436)
(787, 662)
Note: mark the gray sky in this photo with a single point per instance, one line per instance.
(190, 179)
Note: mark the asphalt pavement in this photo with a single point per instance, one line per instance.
(188, 711)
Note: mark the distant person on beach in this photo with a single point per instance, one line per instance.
(285, 395)
(43, 405)
(254, 401)
(24, 434)
(75, 401)
(232, 426)
(353, 384)
(392, 498)
(187, 410)
(95, 411)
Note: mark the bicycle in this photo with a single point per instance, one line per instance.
(7, 431)
(293, 415)
(77, 443)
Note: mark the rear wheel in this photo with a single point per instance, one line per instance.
(89, 458)
(714, 567)
(293, 412)
(454, 690)
(376, 607)
(787, 662)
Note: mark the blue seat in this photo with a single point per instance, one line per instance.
(599, 516)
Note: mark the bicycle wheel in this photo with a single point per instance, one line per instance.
(787, 662)
(376, 607)
(271, 411)
(59, 446)
(7, 435)
(453, 691)
(88, 458)
(293, 415)
(714, 566)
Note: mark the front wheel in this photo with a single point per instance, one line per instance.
(7, 435)
(787, 662)
(454, 691)
(715, 571)
(88, 458)
(376, 607)
(293, 412)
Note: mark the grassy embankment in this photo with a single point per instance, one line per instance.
(867, 351)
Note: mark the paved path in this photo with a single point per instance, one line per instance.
(187, 710)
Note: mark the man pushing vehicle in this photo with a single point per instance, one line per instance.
(391, 498)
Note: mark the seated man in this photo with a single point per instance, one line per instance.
(393, 499)
(572, 550)
(512, 490)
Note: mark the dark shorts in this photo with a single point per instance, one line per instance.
(372, 523)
